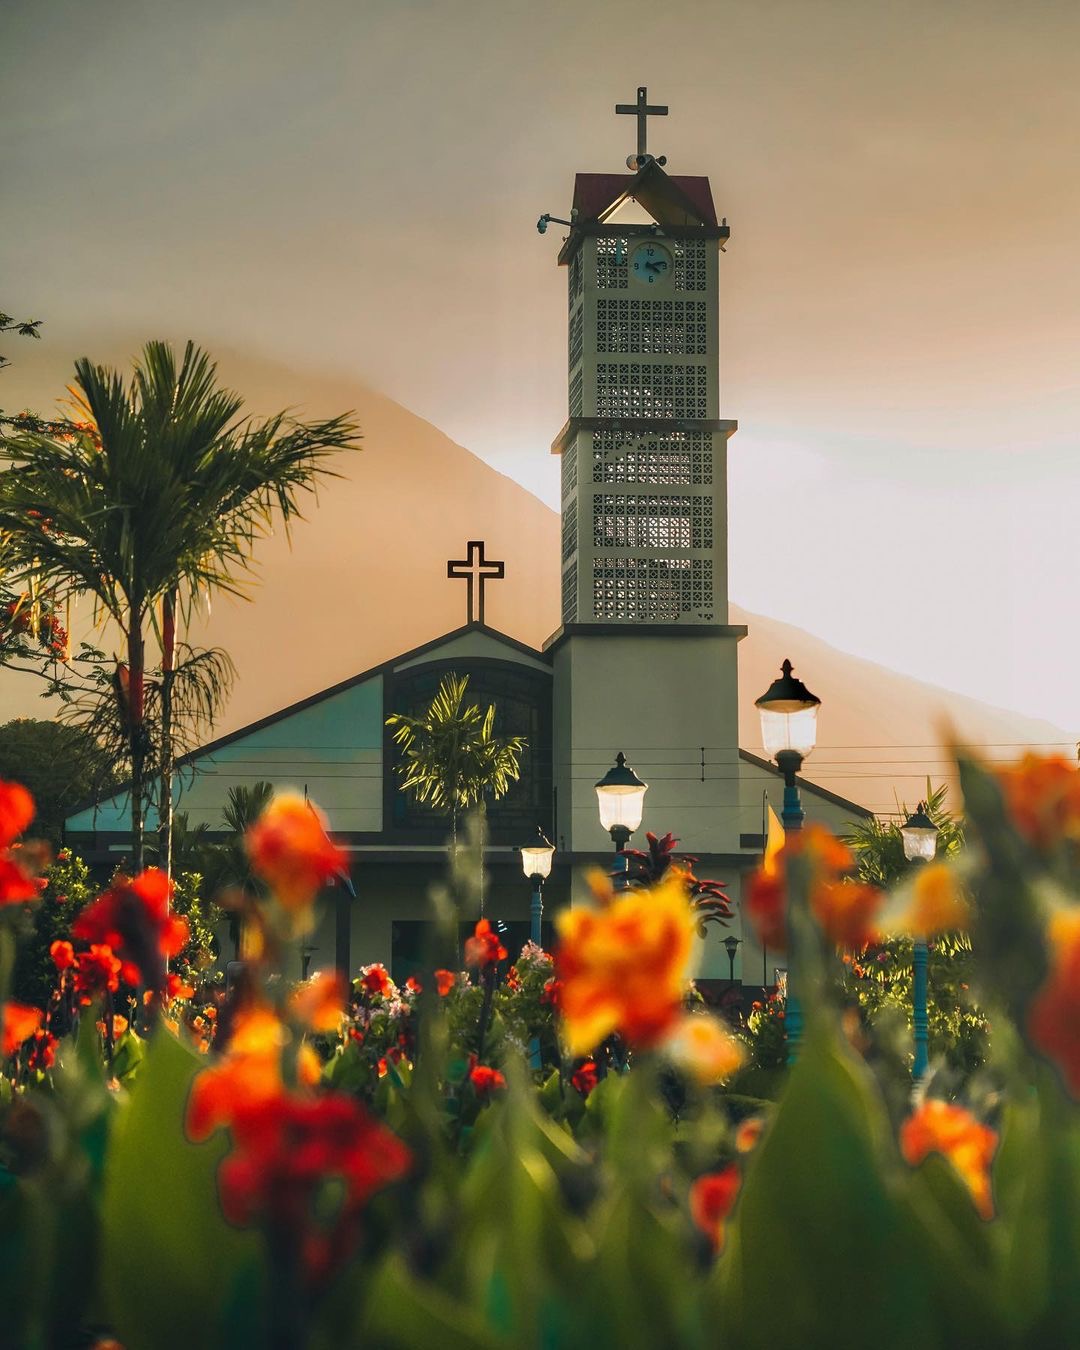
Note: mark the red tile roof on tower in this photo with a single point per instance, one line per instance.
(596, 193)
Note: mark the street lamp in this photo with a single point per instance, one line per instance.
(536, 864)
(789, 732)
(620, 795)
(920, 836)
(731, 945)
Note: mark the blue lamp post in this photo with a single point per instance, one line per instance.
(920, 836)
(789, 733)
(620, 795)
(536, 864)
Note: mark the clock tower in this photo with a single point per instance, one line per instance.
(645, 661)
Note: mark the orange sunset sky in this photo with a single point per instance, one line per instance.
(351, 186)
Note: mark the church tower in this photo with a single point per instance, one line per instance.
(645, 661)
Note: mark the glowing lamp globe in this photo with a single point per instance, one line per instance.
(621, 797)
(920, 836)
(536, 860)
(788, 716)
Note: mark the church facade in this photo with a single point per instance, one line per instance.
(644, 663)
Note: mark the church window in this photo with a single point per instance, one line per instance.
(577, 325)
(652, 590)
(690, 270)
(652, 521)
(569, 593)
(569, 471)
(652, 327)
(611, 267)
(632, 389)
(575, 395)
(576, 278)
(674, 458)
(569, 534)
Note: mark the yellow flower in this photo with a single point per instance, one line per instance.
(937, 903)
(625, 967)
(941, 1127)
(701, 1045)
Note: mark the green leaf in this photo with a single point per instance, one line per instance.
(171, 1264)
(404, 1312)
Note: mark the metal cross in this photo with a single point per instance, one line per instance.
(476, 569)
(642, 111)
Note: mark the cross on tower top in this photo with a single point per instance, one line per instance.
(642, 110)
(477, 570)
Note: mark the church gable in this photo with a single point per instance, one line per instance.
(674, 201)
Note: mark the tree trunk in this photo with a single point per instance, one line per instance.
(137, 735)
(168, 662)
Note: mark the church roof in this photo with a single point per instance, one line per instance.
(671, 200)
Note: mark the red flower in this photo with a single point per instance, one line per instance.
(287, 1149)
(63, 954)
(549, 995)
(18, 1023)
(132, 917)
(42, 1053)
(712, 1198)
(290, 849)
(16, 885)
(584, 1077)
(16, 812)
(1054, 1015)
(413, 985)
(376, 981)
(96, 972)
(941, 1127)
(485, 1079)
(484, 949)
(444, 981)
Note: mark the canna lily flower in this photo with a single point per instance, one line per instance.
(320, 1002)
(584, 1078)
(484, 949)
(16, 883)
(941, 1127)
(63, 954)
(625, 968)
(485, 1080)
(712, 1198)
(1054, 1015)
(18, 1023)
(375, 981)
(132, 918)
(444, 981)
(97, 971)
(937, 903)
(17, 810)
(846, 912)
(703, 1048)
(290, 849)
(249, 1073)
(748, 1135)
(1043, 798)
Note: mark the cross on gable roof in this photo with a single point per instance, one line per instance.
(671, 200)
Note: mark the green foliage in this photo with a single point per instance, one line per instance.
(69, 888)
(61, 765)
(451, 755)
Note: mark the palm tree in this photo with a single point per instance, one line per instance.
(451, 755)
(152, 500)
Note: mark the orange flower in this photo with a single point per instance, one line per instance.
(290, 849)
(748, 1135)
(16, 812)
(625, 967)
(703, 1048)
(320, 1002)
(96, 972)
(375, 980)
(712, 1198)
(249, 1073)
(846, 910)
(1054, 1015)
(18, 1023)
(485, 1079)
(63, 954)
(444, 981)
(132, 918)
(941, 1127)
(1043, 797)
(484, 948)
(937, 903)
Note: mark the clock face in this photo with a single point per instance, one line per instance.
(650, 263)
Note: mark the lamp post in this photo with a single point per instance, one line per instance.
(620, 795)
(731, 946)
(536, 864)
(920, 836)
(789, 733)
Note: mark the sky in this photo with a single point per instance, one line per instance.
(353, 186)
